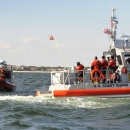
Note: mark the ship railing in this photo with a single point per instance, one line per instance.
(108, 78)
(72, 77)
(69, 77)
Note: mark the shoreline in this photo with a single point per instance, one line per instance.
(32, 71)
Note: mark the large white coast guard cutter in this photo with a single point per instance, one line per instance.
(65, 83)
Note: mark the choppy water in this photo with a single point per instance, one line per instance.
(21, 110)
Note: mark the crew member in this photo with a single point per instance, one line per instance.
(3, 72)
(96, 64)
(80, 67)
(117, 76)
(104, 65)
(112, 64)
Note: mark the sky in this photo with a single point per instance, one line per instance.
(76, 25)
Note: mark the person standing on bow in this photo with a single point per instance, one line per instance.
(112, 64)
(79, 68)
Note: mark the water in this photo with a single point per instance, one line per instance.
(21, 110)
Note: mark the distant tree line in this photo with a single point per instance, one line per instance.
(36, 68)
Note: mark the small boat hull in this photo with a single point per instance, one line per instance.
(6, 86)
(92, 92)
(95, 92)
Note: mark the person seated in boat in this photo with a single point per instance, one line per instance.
(112, 78)
(112, 64)
(80, 67)
(127, 60)
(104, 65)
(117, 76)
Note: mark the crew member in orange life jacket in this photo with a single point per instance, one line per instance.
(112, 64)
(80, 67)
(96, 64)
(104, 65)
(3, 71)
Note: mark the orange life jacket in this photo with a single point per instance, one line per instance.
(80, 67)
(104, 64)
(96, 64)
(111, 63)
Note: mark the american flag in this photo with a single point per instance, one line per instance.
(107, 31)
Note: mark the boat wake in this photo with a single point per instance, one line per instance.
(69, 102)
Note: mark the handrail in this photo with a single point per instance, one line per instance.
(69, 77)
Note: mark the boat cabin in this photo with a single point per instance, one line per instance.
(120, 49)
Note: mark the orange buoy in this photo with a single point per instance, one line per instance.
(37, 93)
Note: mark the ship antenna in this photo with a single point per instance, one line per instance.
(114, 23)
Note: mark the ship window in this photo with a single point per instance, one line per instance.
(119, 60)
(127, 58)
(108, 58)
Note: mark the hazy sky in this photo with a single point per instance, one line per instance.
(77, 26)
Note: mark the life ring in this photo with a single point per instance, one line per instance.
(96, 79)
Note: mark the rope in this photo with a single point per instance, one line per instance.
(61, 55)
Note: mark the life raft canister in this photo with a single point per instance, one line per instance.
(100, 75)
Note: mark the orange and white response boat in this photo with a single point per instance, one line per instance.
(65, 83)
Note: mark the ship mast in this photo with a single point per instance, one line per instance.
(114, 23)
(112, 31)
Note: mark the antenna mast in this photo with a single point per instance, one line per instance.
(114, 23)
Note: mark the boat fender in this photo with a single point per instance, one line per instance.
(124, 70)
(100, 76)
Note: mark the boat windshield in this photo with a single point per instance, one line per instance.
(8, 74)
(119, 60)
(127, 59)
